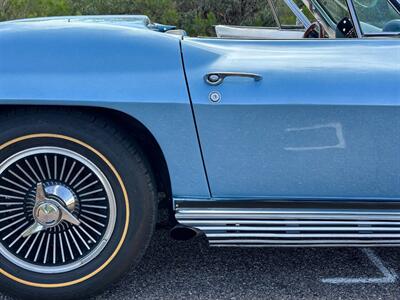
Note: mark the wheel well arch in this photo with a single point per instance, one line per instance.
(132, 128)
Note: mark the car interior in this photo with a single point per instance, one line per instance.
(323, 19)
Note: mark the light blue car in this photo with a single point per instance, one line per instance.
(286, 136)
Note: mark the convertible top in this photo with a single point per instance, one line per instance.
(243, 32)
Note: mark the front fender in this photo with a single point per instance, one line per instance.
(135, 71)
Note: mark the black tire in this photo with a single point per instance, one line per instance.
(124, 165)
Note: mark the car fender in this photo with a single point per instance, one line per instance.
(135, 71)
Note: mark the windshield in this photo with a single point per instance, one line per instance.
(285, 15)
(336, 9)
(377, 16)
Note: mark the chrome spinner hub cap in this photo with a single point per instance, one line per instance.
(63, 194)
(48, 212)
(57, 210)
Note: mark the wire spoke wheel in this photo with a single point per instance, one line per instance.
(57, 210)
(78, 202)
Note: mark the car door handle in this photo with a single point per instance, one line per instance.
(217, 78)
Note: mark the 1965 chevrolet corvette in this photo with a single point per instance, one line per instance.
(285, 136)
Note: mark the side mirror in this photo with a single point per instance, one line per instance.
(345, 29)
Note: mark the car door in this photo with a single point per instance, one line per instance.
(318, 119)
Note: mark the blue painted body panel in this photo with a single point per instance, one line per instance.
(323, 123)
(135, 71)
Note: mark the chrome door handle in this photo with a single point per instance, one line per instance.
(216, 78)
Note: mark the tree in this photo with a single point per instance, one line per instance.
(14, 9)
(197, 17)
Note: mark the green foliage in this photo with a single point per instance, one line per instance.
(14, 9)
(197, 17)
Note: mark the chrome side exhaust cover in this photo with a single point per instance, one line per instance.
(295, 227)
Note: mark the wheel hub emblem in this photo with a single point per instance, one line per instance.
(47, 214)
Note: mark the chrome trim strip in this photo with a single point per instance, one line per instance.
(395, 5)
(258, 222)
(354, 18)
(383, 34)
(296, 203)
(300, 235)
(305, 242)
(295, 227)
(272, 7)
(299, 14)
(267, 211)
(303, 245)
(303, 217)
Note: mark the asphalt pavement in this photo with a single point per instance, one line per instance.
(192, 270)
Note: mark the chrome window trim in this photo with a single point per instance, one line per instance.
(382, 34)
(298, 13)
(274, 13)
(395, 5)
(354, 18)
(294, 9)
